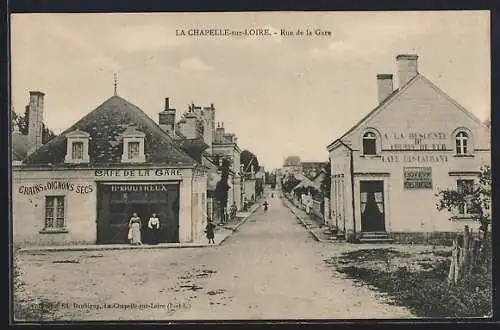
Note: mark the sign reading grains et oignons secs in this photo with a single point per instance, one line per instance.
(56, 185)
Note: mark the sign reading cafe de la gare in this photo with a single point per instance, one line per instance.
(134, 172)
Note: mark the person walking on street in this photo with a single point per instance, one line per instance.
(209, 230)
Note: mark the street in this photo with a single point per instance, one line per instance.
(271, 268)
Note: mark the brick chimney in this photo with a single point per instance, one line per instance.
(219, 132)
(35, 121)
(384, 85)
(166, 118)
(407, 68)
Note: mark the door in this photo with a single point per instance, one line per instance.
(372, 206)
(116, 206)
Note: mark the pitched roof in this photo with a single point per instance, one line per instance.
(193, 147)
(20, 144)
(395, 94)
(105, 125)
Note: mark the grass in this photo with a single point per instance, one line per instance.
(424, 289)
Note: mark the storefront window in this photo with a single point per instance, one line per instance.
(54, 212)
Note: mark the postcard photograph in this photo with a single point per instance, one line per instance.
(251, 166)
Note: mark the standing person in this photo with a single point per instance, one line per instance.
(234, 208)
(209, 229)
(135, 225)
(154, 228)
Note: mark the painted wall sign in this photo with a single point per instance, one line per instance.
(416, 140)
(133, 172)
(138, 187)
(56, 185)
(409, 158)
(417, 177)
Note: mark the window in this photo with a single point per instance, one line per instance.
(133, 150)
(461, 143)
(465, 187)
(54, 213)
(77, 150)
(369, 144)
(133, 145)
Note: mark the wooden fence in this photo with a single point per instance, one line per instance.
(466, 255)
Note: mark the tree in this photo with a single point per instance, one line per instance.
(326, 183)
(247, 159)
(478, 201)
(22, 122)
(222, 187)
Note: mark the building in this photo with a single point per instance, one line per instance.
(198, 122)
(386, 170)
(291, 165)
(83, 185)
(312, 169)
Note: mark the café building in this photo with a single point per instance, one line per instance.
(387, 169)
(83, 186)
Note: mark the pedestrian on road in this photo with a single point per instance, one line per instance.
(134, 233)
(209, 230)
(154, 228)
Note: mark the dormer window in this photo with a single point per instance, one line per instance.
(369, 143)
(77, 150)
(461, 140)
(133, 146)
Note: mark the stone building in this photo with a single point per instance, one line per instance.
(386, 170)
(83, 185)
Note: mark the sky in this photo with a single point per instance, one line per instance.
(281, 95)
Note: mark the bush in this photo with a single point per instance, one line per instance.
(426, 293)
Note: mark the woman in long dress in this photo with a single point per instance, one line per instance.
(135, 225)
(154, 227)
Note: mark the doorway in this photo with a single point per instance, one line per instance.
(117, 203)
(372, 206)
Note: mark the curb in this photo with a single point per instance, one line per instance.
(141, 247)
(240, 223)
(316, 237)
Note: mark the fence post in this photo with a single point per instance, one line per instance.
(466, 256)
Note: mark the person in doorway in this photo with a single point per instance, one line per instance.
(209, 230)
(154, 228)
(134, 226)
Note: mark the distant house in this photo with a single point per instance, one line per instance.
(312, 169)
(386, 170)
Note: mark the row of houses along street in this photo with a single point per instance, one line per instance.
(379, 186)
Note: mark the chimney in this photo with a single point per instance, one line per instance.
(219, 132)
(166, 118)
(35, 121)
(384, 85)
(407, 68)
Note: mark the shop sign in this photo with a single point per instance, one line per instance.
(139, 172)
(417, 177)
(138, 187)
(56, 185)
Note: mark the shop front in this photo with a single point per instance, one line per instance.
(118, 201)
